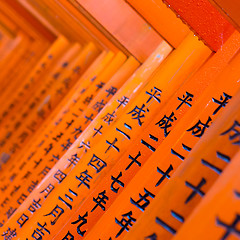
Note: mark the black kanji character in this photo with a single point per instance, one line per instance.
(69, 124)
(123, 133)
(5, 201)
(77, 69)
(84, 145)
(54, 158)
(26, 175)
(73, 160)
(222, 102)
(237, 193)
(117, 181)
(66, 82)
(111, 91)
(211, 166)
(84, 179)
(99, 86)
(111, 145)
(59, 175)
(148, 145)
(144, 199)
(58, 137)
(196, 190)
(56, 213)
(32, 186)
(45, 171)
(37, 162)
(67, 145)
(100, 200)
(39, 233)
(165, 225)
(68, 236)
(177, 216)
(98, 106)
(154, 93)
(59, 91)
(26, 86)
(151, 237)
(83, 91)
(17, 125)
(93, 78)
(221, 156)
(77, 132)
(185, 100)
(22, 220)
(1, 223)
(65, 64)
(235, 130)
(97, 163)
(123, 102)
(21, 199)
(230, 228)
(15, 189)
(41, 113)
(47, 190)
(166, 122)
(164, 174)
(127, 126)
(3, 188)
(98, 131)
(9, 134)
(48, 149)
(185, 147)
(9, 234)
(56, 75)
(89, 119)
(23, 164)
(109, 117)
(199, 128)
(41, 143)
(83, 221)
(34, 206)
(134, 160)
(125, 222)
(138, 113)
(69, 198)
(88, 99)
(23, 136)
(75, 115)
(25, 114)
(13, 149)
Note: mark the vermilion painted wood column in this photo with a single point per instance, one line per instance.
(230, 9)
(204, 20)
